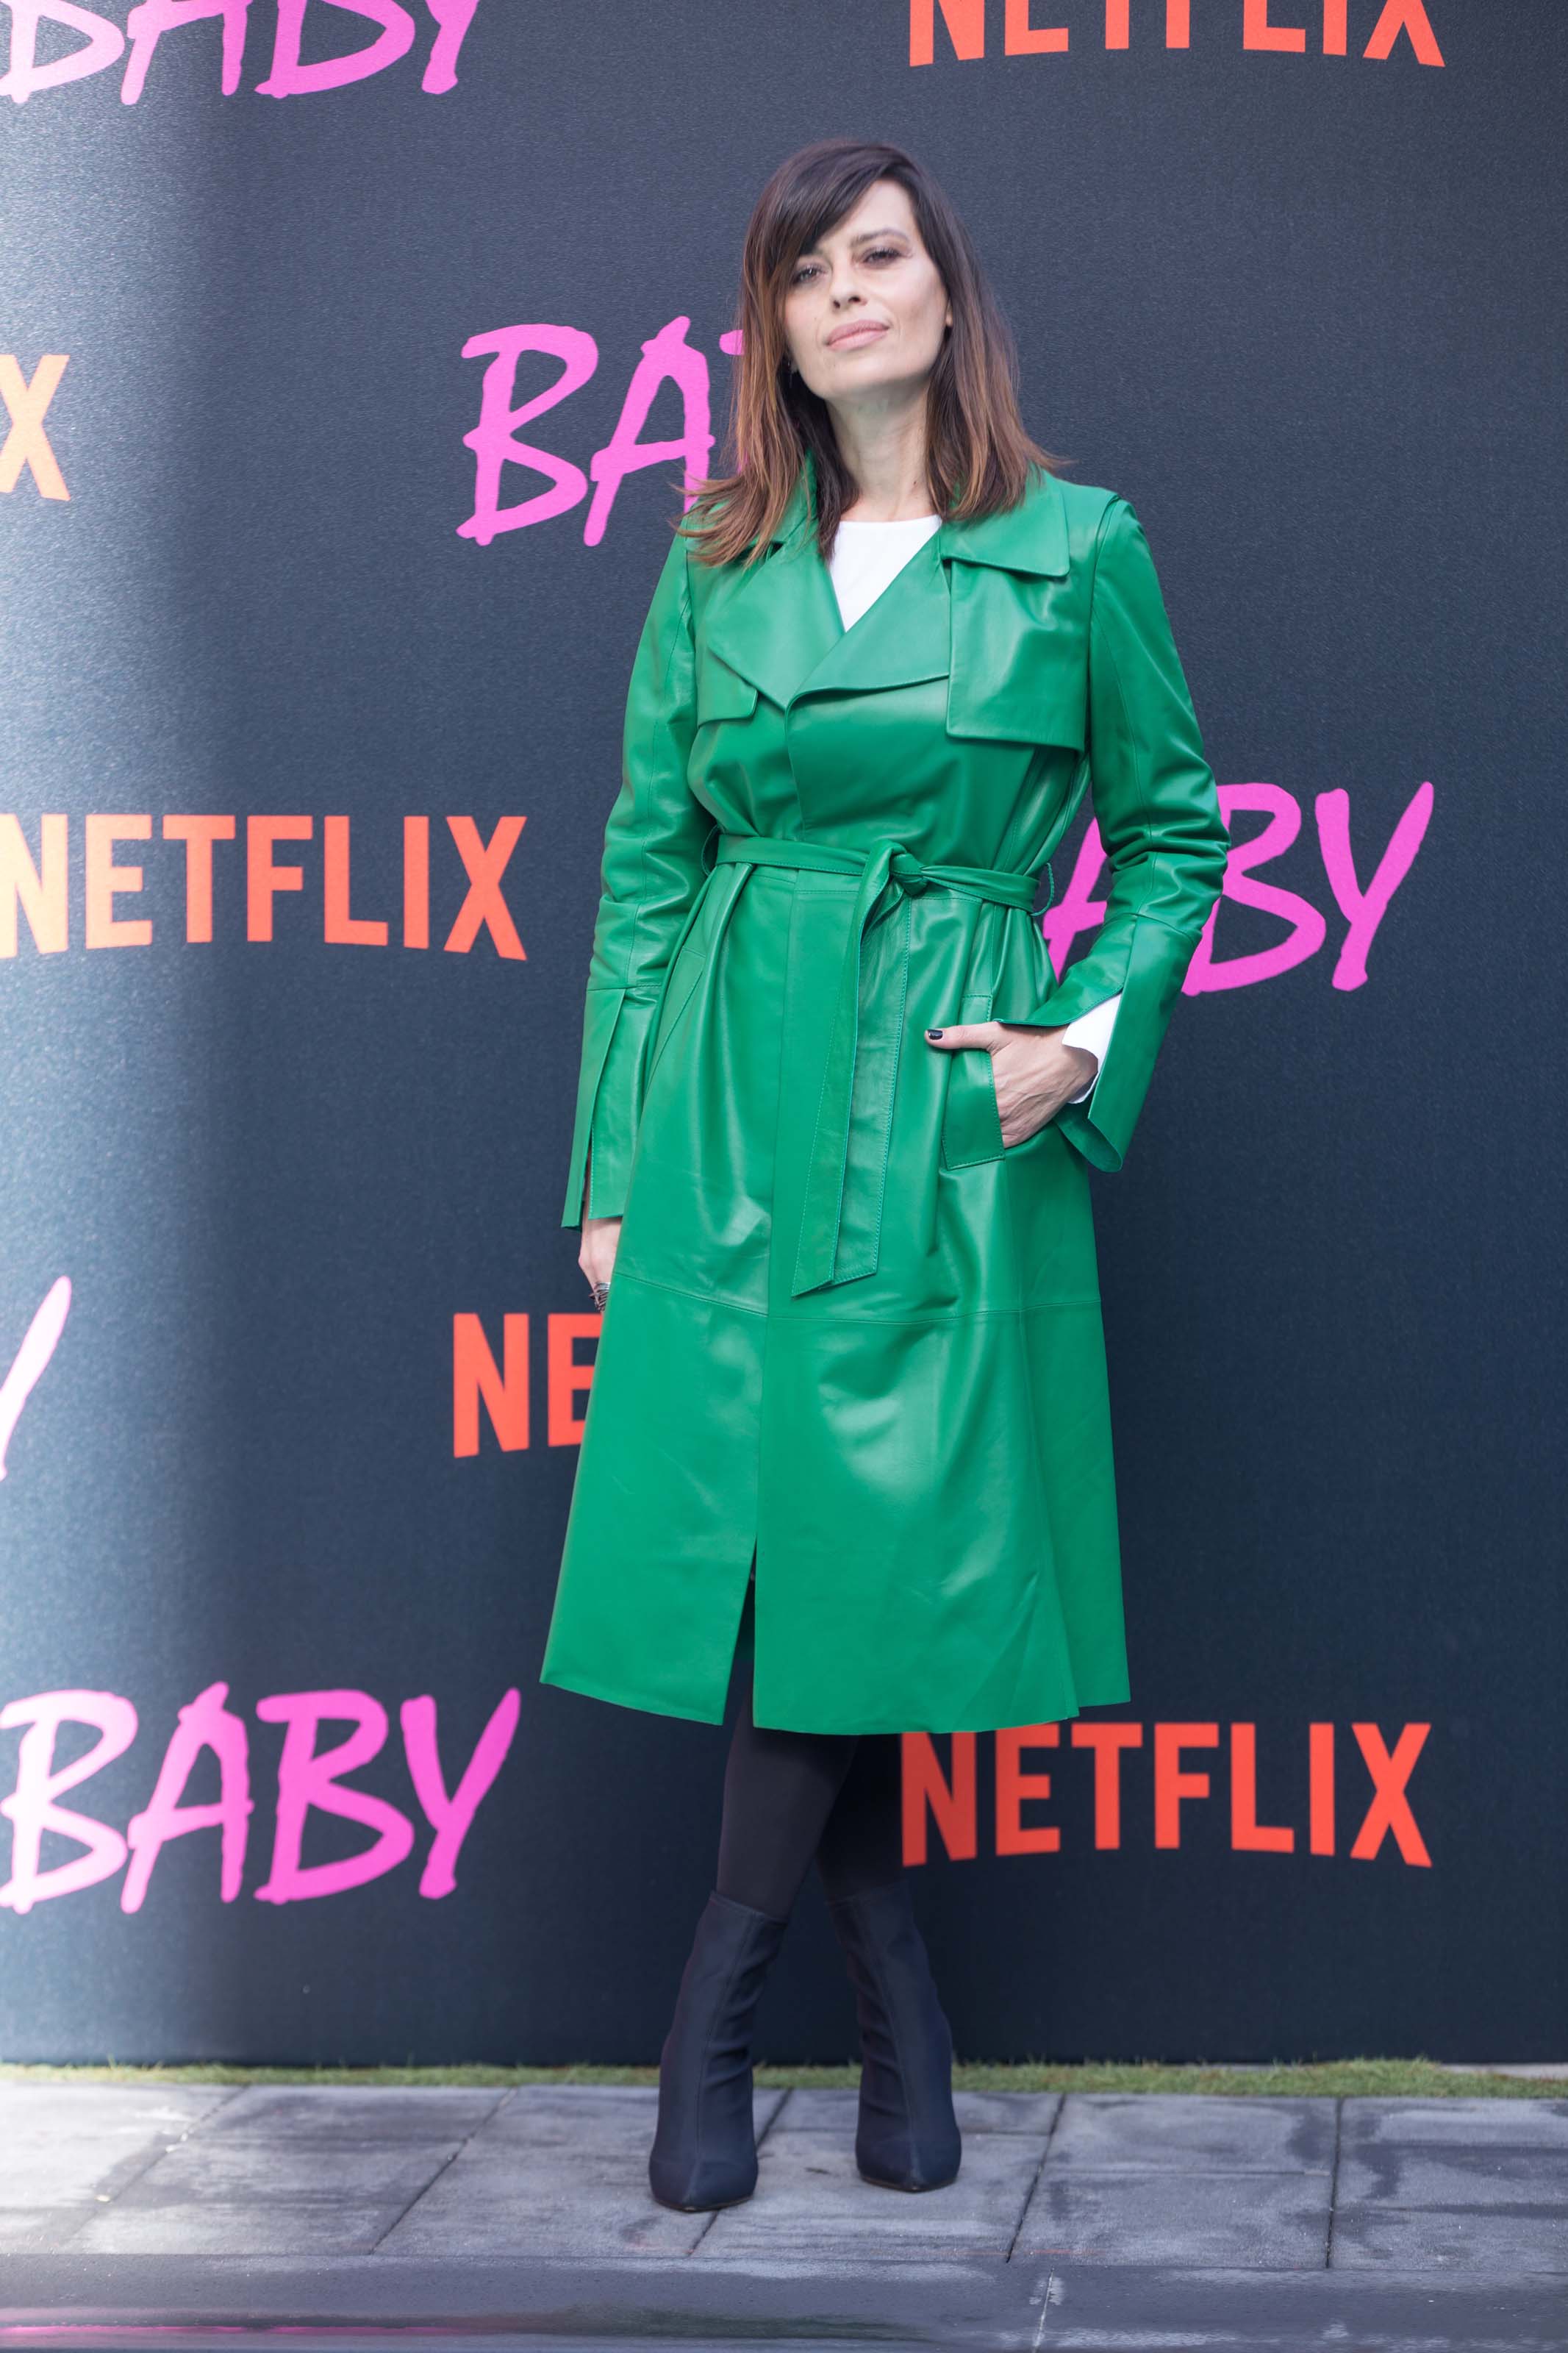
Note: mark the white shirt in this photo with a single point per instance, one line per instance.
(866, 556)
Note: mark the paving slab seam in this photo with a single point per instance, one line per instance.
(127, 2178)
(1031, 2192)
(1334, 2185)
(761, 2140)
(426, 2187)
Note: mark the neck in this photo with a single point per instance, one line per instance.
(884, 449)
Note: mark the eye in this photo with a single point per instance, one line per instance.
(884, 253)
(799, 276)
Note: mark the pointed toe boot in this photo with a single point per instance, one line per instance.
(704, 2149)
(907, 2137)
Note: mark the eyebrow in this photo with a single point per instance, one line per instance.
(866, 236)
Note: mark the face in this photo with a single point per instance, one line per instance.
(865, 310)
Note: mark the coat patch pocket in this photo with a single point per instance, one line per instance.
(971, 1122)
(1017, 678)
(721, 692)
(683, 983)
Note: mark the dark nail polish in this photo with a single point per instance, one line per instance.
(933, 1033)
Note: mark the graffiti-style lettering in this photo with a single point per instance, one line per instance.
(1364, 910)
(31, 1808)
(204, 1722)
(494, 440)
(1308, 930)
(103, 44)
(453, 18)
(38, 1345)
(309, 1778)
(1078, 910)
(291, 79)
(151, 19)
(451, 1817)
(667, 357)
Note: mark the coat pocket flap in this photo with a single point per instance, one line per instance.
(1041, 699)
(721, 692)
(1019, 672)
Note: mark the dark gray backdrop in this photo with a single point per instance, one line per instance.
(1304, 313)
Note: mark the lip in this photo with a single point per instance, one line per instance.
(864, 330)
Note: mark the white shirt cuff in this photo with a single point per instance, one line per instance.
(1093, 1029)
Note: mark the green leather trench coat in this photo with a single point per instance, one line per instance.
(850, 1329)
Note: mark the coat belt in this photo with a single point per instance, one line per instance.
(863, 1036)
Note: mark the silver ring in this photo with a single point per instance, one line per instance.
(601, 1292)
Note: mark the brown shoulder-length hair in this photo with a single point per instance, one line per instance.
(978, 456)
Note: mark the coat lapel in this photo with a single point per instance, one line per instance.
(776, 619)
(954, 611)
(1019, 654)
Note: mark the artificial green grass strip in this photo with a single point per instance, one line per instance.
(1385, 2079)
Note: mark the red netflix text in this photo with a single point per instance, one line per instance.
(1177, 1768)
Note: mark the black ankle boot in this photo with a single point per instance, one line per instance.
(705, 2149)
(907, 2137)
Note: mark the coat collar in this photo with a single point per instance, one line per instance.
(1030, 537)
(776, 621)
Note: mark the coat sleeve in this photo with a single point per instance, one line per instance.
(1158, 812)
(651, 872)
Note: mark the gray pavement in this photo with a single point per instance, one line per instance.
(522, 2217)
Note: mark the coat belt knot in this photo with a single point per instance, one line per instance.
(863, 1035)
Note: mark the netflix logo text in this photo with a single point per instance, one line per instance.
(1330, 28)
(1360, 1808)
(504, 1391)
(66, 893)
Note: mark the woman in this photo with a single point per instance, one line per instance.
(849, 1425)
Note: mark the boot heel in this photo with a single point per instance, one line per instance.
(907, 2134)
(704, 2150)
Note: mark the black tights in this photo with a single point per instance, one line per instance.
(790, 1796)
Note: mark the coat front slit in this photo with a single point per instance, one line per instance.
(852, 1335)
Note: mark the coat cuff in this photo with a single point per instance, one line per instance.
(1147, 965)
(1093, 1030)
(616, 1027)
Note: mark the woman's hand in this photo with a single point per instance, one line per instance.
(601, 1236)
(1033, 1071)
